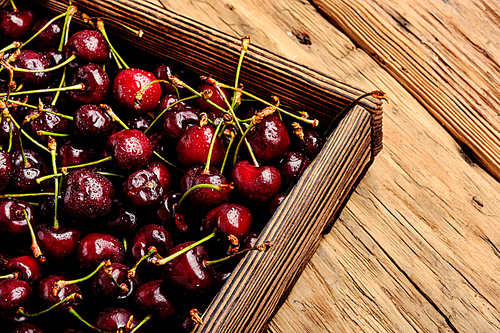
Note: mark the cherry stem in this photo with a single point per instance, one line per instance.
(168, 108)
(14, 276)
(109, 272)
(261, 248)
(41, 30)
(13, 6)
(62, 135)
(37, 252)
(11, 46)
(227, 153)
(131, 273)
(67, 19)
(74, 313)
(41, 109)
(195, 316)
(59, 285)
(140, 93)
(138, 33)
(61, 84)
(110, 174)
(100, 27)
(243, 137)
(145, 320)
(64, 63)
(184, 250)
(113, 115)
(47, 177)
(220, 187)
(244, 47)
(102, 160)
(73, 298)
(206, 170)
(168, 162)
(53, 154)
(28, 136)
(24, 195)
(313, 122)
(79, 86)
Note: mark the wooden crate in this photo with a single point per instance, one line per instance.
(259, 283)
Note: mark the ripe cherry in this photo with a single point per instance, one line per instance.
(152, 298)
(27, 328)
(292, 166)
(13, 295)
(95, 247)
(24, 176)
(229, 219)
(143, 189)
(131, 149)
(88, 46)
(28, 268)
(33, 60)
(126, 85)
(93, 123)
(46, 296)
(216, 98)
(96, 85)
(194, 145)
(45, 121)
(177, 120)
(50, 37)
(14, 24)
(256, 184)
(12, 218)
(105, 289)
(116, 320)
(151, 235)
(270, 141)
(72, 152)
(57, 244)
(5, 169)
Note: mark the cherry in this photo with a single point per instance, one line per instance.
(256, 184)
(12, 218)
(24, 176)
(139, 122)
(45, 121)
(88, 195)
(143, 189)
(229, 219)
(95, 247)
(292, 166)
(46, 296)
(177, 120)
(162, 172)
(250, 240)
(194, 144)
(28, 268)
(188, 270)
(151, 298)
(88, 46)
(115, 319)
(121, 219)
(160, 144)
(57, 244)
(126, 85)
(50, 37)
(204, 199)
(151, 235)
(165, 70)
(96, 85)
(5, 169)
(104, 288)
(27, 328)
(270, 141)
(275, 203)
(5, 128)
(166, 213)
(14, 24)
(312, 143)
(131, 149)
(216, 98)
(93, 123)
(71, 152)
(13, 295)
(33, 60)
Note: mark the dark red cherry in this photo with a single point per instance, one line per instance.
(122, 220)
(88, 46)
(50, 36)
(27, 328)
(275, 203)
(204, 199)
(87, 196)
(29, 269)
(24, 176)
(143, 189)
(151, 298)
(46, 297)
(194, 144)
(161, 145)
(13, 295)
(5, 128)
(96, 85)
(131, 149)
(292, 166)
(257, 185)
(162, 172)
(5, 169)
(126, 85)
(93, 123)
(33, 60)
(12, 218)
(115, 319)
(151, 235)
(270, 141)
(105, 289)
(250, 240)
(166, 210)
(139, 122)
(175, 121)
(188, 271)
(216, 98)
(57, 244)
(45, 121)
(95, 247)
(312, 144)
(229, 219)
(164, 70)
(14, 24)
(74, 153)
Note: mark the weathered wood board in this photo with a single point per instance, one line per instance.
(416, 248)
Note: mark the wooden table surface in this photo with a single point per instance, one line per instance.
(417, 246)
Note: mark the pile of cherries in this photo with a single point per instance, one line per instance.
(140, 188)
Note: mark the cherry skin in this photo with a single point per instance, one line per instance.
(71, 152)
(45, 121)
(33, 60)
(104, 288)
(93, 123)
(115, 319)
(95, 247)
(24, 176)
(275, 203)
(151, 235)
(57, 244)
(5, 169)
(14, 24)
(139, 122)
(151, 298)
(88, 196)
(46, 297)
(165, 70)
(162, 172)
(312, 144)
(256, 184)
(204, 199)
(142, 189)
(29, 269)
(188, 271)
(270, 141)
(96, 85)
(27, 328)
(13, 295)
(122, 220)
(88, 46)
(177, 120)
(126, 85)
(216, 98)
(12, 218)
(229, 219)
(194, 144)
(292, 166)
(131, 149)
(50, 37)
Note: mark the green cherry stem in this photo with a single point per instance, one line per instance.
(131, 273)
(145, 320)
(79, 86)
(62, 64)
(261, 248)
(73, 298)
(211, 148)
(13, 45)
(113, 115)
(169, 107)
(231, 141)
(140, 93)
(75, 314)
(109, 272)
(13, 6)
(53, 154)
(37, 252)
(220, 187)
(28, 136)
(47, 177)
(11, 101)
(59, 285)
(245, 42)
(41, 30)
(243, 137)
(25, 195)
(100, 27)
(168, 162)
(61, 84)
(76, 166)
(14, 276)
(184, 250)
(62, 135)
(110, 174)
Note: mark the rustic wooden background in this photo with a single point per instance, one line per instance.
(417, 246)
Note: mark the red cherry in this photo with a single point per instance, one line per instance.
(143, 189)
(270, 141)
(151, 235)
(12, 218)
(95, 247)
(105, 289)
(194, 144)
(29, 269)
(46, 296)
(14, 24)
(131, 149)
(96, 85)
(151, 297)
(5, 169)
(257, 184)
(57, 244)
(216, 98)
(116, 319)
(126, 85)
(27, 328)
(229, 219)
(13, 295)
(88, 46)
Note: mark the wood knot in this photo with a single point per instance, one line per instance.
(302, 36)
